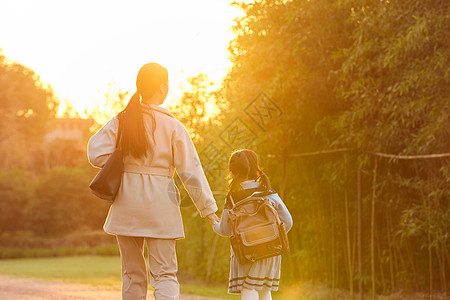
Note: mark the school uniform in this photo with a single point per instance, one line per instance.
(147, 205)
(264, 273)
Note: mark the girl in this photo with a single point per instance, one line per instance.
(147, 205)
(253, 280)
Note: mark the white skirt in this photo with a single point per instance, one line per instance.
(264, 273)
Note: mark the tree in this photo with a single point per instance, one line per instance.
(200, 111)
(27, 106)
(366, 75)
(199, 108)
(115, 101)
(395, 82)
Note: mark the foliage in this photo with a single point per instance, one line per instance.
(370, 76)
(59, 153)
(115, 100)
(15, 194)
(25, 99)
(63, 203)
(56, 203)
(199, 108)
(27, 107)
(395, 78)
(366, 75)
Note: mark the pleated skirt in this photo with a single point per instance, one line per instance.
(264, 273)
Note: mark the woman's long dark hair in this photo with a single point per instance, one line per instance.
(134, 140)
(244, 165)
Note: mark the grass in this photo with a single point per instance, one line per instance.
(105, 271)
(93, 270)
(207, 291)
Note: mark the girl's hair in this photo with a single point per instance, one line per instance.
(133, 137)
(244, 165)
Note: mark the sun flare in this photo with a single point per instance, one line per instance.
(80, 48)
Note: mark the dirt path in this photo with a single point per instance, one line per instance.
(14, 288)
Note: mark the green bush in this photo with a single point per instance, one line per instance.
(16, 188)
(63, 203)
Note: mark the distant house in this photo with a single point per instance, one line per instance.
(69, 129)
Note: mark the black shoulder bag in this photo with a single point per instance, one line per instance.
(107, 181)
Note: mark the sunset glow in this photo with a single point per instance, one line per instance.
(80, 47)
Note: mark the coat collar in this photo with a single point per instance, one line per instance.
(250, 184)
(152, 107)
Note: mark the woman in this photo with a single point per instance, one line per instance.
(146, 207)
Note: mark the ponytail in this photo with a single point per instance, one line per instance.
(255, 171)
(134, 140)
(263, 179)
(133, 136)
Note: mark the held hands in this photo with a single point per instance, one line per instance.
(213, 218)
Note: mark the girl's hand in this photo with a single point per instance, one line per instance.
(213, 218)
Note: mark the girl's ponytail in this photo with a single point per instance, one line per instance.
(255, 171)
(263, 179)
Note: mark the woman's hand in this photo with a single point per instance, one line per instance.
(213, 218)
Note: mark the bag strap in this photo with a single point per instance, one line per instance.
(119, 134)
(254, 196)
(236, 196)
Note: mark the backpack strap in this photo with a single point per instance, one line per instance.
(261, 194)
(229, 202)
(235, 197)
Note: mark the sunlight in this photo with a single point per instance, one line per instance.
(80, 47)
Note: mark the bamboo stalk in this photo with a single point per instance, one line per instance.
(372, 228)
(355, 240)
(283, 176)
(392, 260)
(396, 156)
(380, 255)
(444, 275)
(333, 246)
(446, 255)
(379, 154)
(358, 181)
(430, 261)
(212, 257)
(430, 254)
(441, 269)
(349, 254)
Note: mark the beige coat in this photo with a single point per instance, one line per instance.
(148, 202)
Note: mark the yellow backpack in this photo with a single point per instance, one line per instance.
(257, 230)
